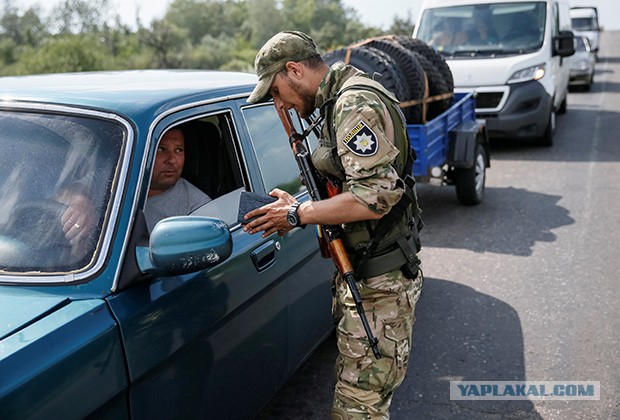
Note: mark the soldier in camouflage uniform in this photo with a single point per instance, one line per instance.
(358, 147)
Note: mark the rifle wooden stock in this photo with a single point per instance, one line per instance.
(340, 257)
(329, 236)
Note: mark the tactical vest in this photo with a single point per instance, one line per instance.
(399, 241)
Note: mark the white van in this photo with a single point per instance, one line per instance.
(585, 20)
(511, 53)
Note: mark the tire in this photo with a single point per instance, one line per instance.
(437, 71)
(371, 60)
(562, 108)
(546, 140)
(412, 72)
(469, 182)
(588, 86)
(436, 86)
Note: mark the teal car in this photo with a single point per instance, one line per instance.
(194, 319)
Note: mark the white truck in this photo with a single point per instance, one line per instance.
(585, 20)
(511, 54)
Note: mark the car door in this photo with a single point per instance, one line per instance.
(213, 343)
(308, 282)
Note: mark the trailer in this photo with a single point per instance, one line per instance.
(453, 149)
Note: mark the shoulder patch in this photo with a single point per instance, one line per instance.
(361, 140)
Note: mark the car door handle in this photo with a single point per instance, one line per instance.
(265, 255)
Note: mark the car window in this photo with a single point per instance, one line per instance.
(211, 160)
(272, 148)
(54, 168)
(214, 165)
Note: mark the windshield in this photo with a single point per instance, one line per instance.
(584, 24)
(484, 29)
(56, 176)
(580, 44)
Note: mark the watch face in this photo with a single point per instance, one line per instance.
(292, 219)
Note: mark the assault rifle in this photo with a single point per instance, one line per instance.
(329, 236)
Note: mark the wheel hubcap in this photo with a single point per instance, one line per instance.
(480, 166)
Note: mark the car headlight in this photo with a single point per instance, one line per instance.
(530, 73)
(580, 65)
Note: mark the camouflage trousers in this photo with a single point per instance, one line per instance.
(364, 384)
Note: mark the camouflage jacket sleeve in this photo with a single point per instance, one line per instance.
(365, 143)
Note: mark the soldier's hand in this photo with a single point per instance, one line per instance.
(271, 218)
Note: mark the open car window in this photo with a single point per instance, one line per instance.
(56, 178)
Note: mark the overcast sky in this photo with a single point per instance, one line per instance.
(372, 12)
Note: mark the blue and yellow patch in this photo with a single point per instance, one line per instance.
(361, 140)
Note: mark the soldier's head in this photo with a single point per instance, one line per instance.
(289, 69)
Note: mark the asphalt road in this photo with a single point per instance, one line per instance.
(524, 286)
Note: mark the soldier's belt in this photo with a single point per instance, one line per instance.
(395, 257)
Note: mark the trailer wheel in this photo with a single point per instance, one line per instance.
(469, 182)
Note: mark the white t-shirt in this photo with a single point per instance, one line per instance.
(182, 199)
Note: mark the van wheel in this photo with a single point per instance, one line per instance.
(588, 86)
(546, 140)
(562, 108)
(469, 182)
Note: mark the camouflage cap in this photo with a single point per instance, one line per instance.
(281, 48)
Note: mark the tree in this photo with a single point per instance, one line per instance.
(206, 17)
(264, 19)
(61, 54)
(403, 26)
(26, 29)
(328, 22)
(80, 16)
(167, 41)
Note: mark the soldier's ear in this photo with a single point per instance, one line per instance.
(295, 69)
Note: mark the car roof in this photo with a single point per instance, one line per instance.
(133, 93)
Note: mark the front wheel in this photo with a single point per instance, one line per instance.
(469, 182)
(546, 139)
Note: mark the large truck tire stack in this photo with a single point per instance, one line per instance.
(416, 74)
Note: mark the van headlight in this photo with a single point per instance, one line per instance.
(530, 73)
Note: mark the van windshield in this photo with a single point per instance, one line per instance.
(584, 24)
(484, 29)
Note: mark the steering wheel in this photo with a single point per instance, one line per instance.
(38, 223)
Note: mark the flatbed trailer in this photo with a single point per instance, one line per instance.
(453, 149)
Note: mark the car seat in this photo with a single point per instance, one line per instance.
(207, 164)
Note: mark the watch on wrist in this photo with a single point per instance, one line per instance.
(292, 217)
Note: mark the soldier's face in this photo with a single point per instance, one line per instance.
(290, 93)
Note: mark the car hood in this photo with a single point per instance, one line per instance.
(19, 311)
(481, 71)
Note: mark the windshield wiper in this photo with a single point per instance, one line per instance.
(486, 52)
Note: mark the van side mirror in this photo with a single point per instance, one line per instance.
(564, 44)
(185, 244)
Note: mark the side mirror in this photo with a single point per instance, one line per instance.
(564, 44)
(185, 244)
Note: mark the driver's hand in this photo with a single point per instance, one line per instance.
(78, 221)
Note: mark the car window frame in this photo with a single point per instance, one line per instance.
(102, 250)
